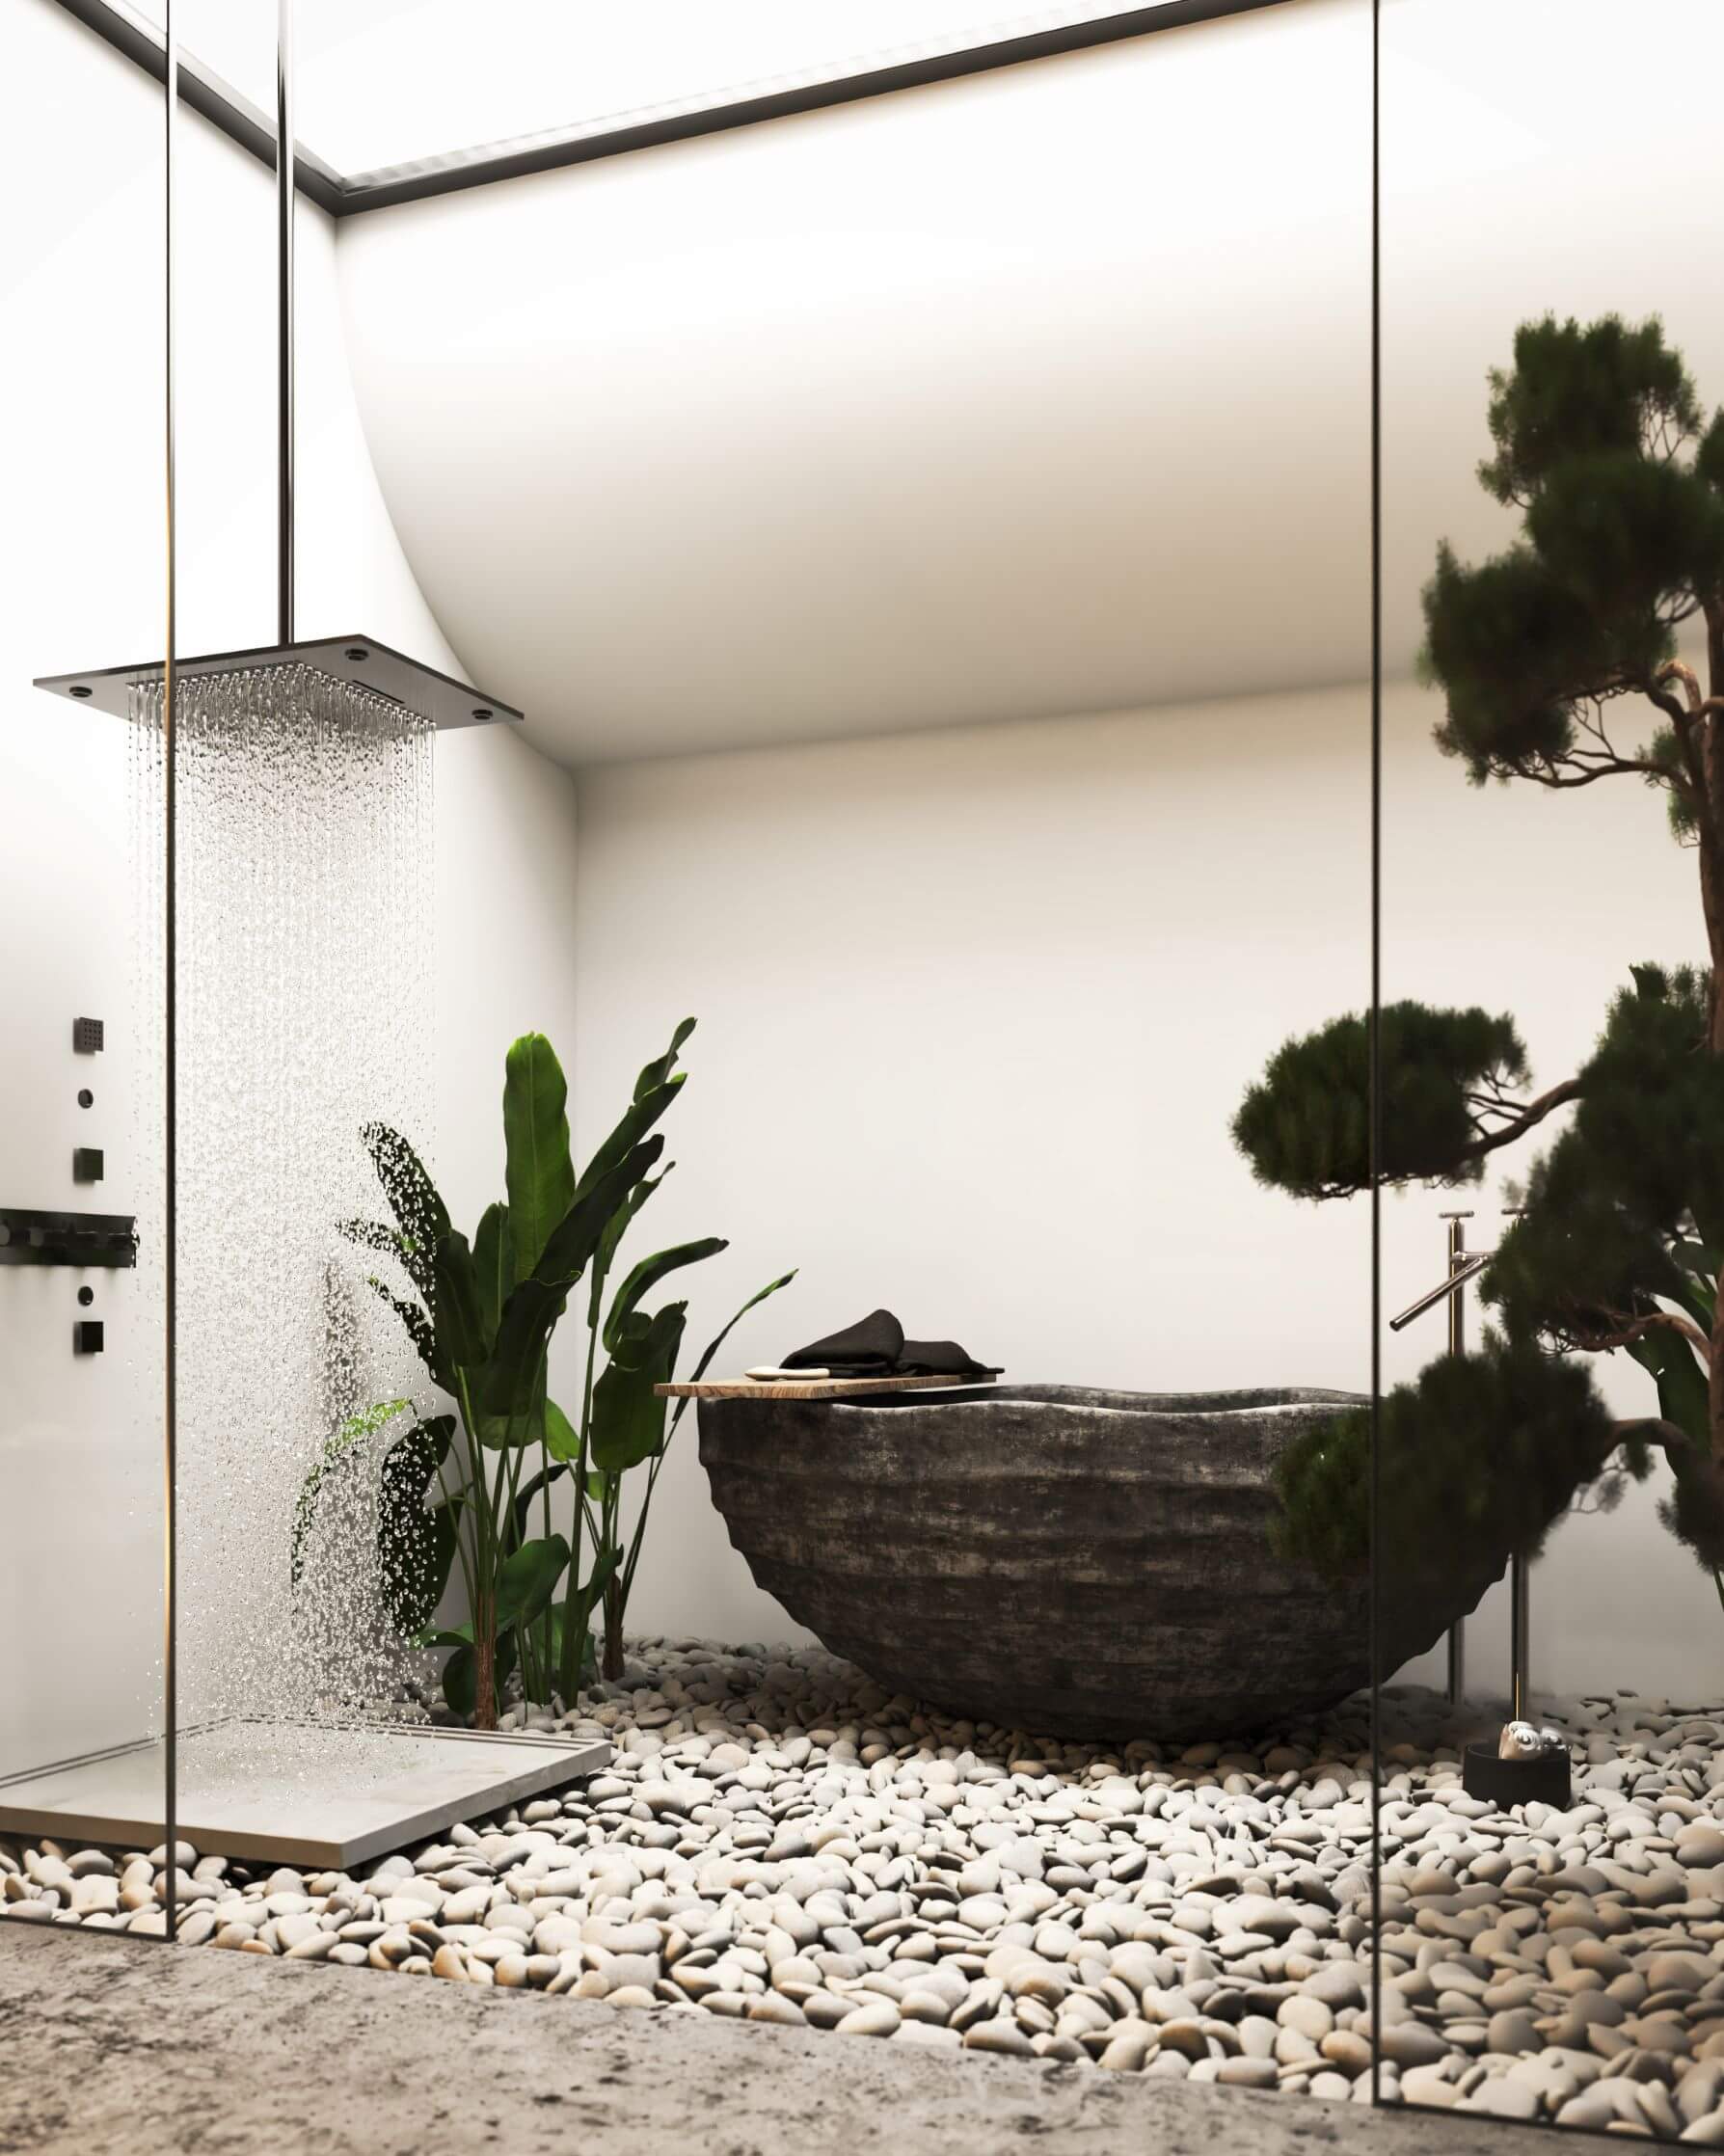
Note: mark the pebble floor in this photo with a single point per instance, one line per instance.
(780, 1840)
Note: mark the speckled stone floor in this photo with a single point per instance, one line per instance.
(115, 2046)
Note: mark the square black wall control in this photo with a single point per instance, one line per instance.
(87, 1163)
(87, 1337)
(87, 1036)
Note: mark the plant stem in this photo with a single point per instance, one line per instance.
(484, 1601)
(467, 1572)
(573, 1653)
(613, 1664)
(647, 1501)
(549, 1658)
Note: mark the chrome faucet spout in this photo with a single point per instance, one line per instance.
(1476, 1264)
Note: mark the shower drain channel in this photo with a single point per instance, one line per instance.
(319, 1796)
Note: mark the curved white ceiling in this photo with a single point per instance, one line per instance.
(1038, 394)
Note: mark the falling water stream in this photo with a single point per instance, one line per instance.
(303, 896)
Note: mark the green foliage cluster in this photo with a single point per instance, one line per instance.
(1623, 539)
(1306, 1126)
(458, 1492)
(1482, 1449)
(1625, 1213)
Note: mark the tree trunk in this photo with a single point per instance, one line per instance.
(1712, 899)
(613, 1632)
(484, 1702)
(1709, 823)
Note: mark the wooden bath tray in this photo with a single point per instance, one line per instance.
(806, 1388)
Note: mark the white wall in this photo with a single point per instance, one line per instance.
(977, 1007)
(81, 564)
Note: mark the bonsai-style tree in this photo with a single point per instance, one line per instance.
(1560, 667)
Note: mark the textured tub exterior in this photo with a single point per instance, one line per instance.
(1052, 1558)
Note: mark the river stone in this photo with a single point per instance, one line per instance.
(881, 2018)
(1512, 2031)
(1410, 2043)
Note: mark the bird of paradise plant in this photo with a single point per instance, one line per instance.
(457, 1492)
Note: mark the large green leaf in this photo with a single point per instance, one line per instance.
(1682, 1383)
(530, 1490)
(646, 1277)
(540, 1174)
(615, 1228)
(653, 1091)
(459, 1330)
(527, 1580)
(419, 1330)
(657, 1073)
(574, 1609)
(510, 1388)
(354, 1431)
(419, 1212)
(581, 1228)
(562, 1440)
(1699, 1267)
(628, 1417)
(521, 1425)
(494, 1268)
(390, 1242)
(416, 1547)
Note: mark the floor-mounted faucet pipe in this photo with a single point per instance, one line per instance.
(1459, 1271)
(1465, 1265)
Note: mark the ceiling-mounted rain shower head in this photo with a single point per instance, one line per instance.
(360, 661)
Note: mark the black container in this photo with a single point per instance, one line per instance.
(1546, 1779)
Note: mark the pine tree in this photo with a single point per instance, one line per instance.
(1559, 665)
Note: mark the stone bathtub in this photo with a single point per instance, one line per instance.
(1055, 1559)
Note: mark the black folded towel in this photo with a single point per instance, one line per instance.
(876, 1348)
(941, 1359)
(869, 1349)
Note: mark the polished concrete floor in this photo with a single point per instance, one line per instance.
(115, 2047)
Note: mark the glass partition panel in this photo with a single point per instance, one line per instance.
(1550, 1089)
(82, 1513)
(1010, 540)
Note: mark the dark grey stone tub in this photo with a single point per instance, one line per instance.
(1052, 1558)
